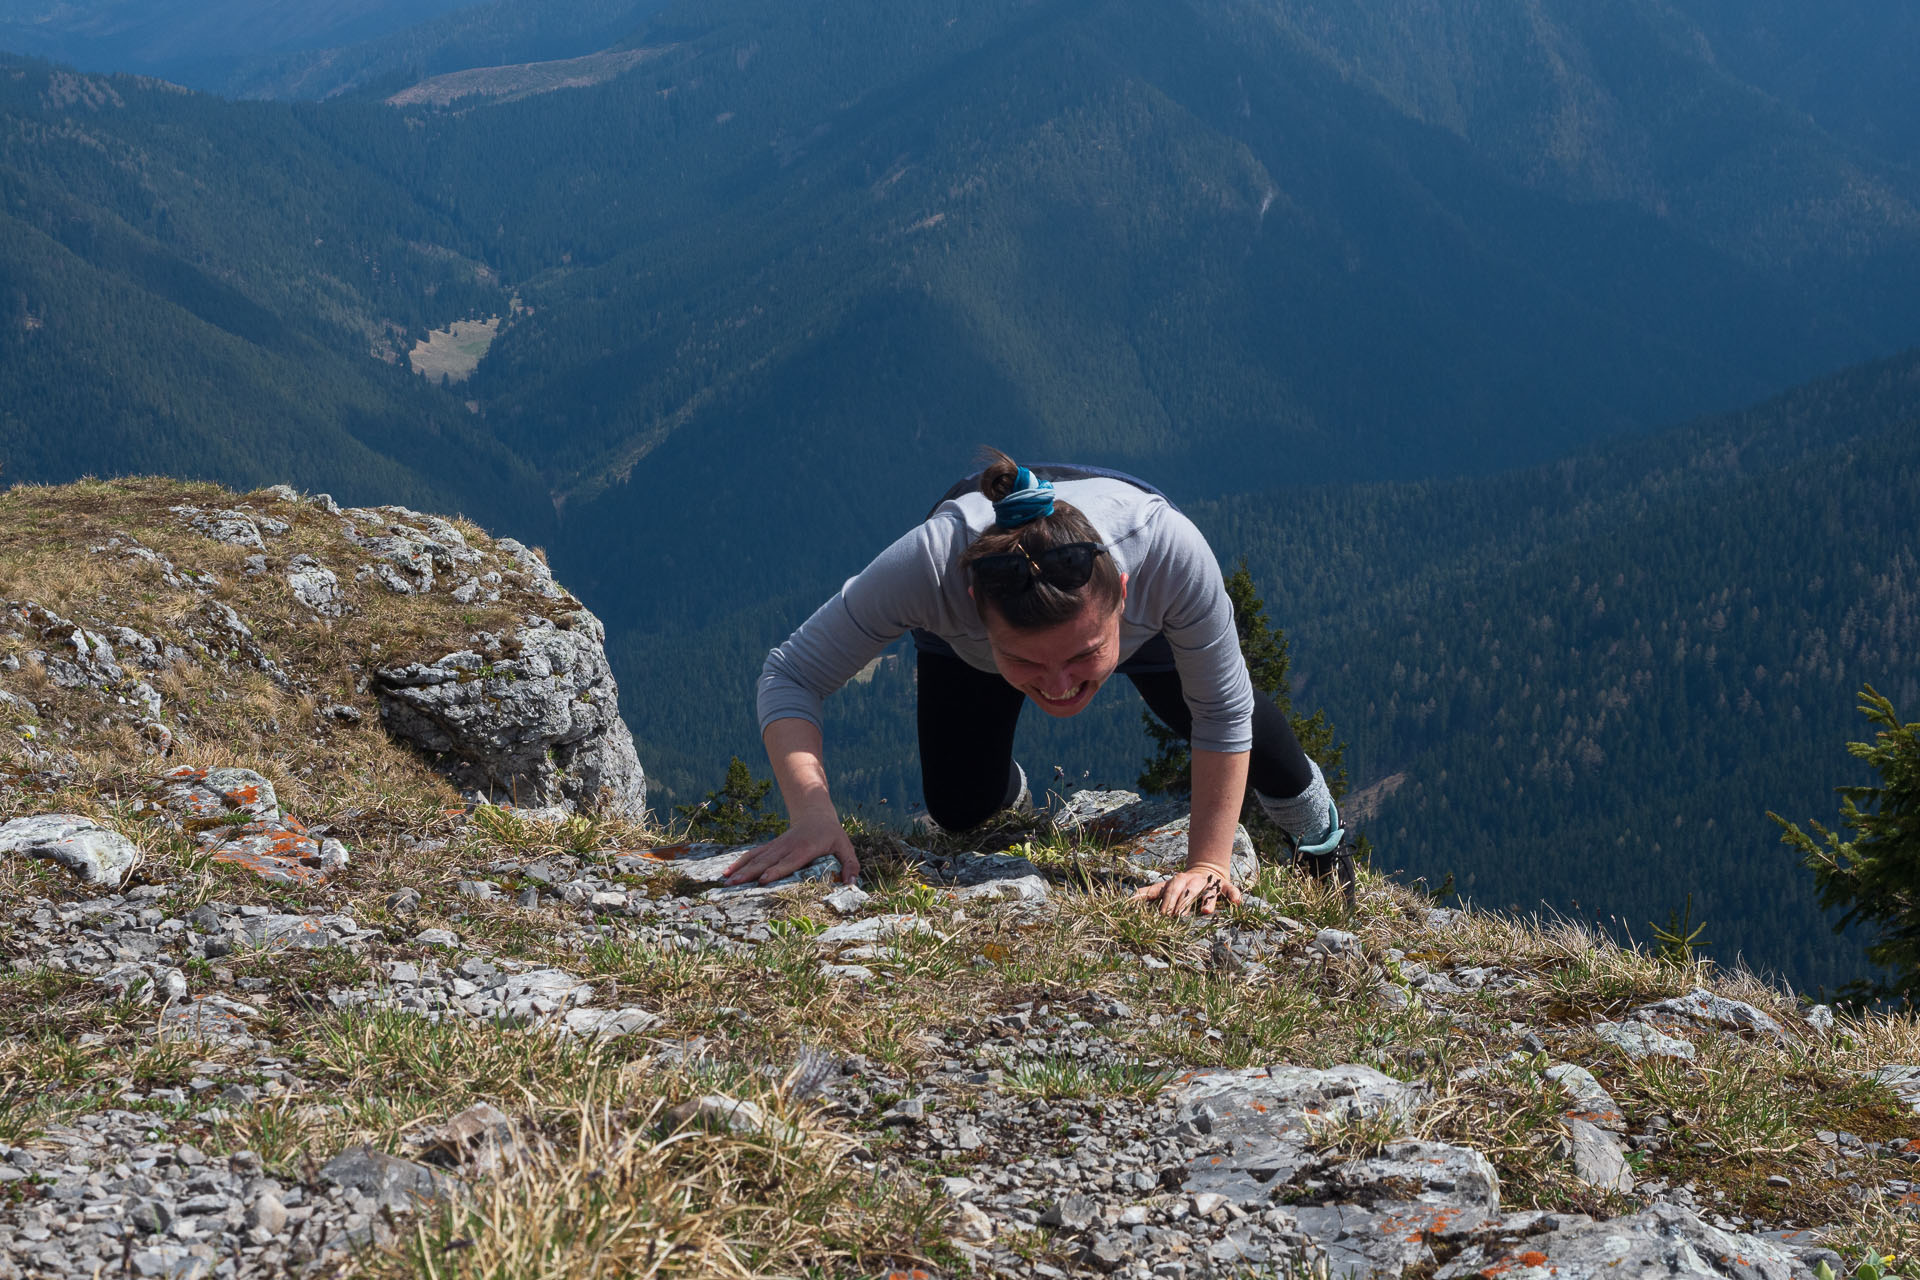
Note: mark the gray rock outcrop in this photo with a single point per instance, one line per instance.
(538, 728)
(98, 856)
(1665, 1240)
(1149, 836)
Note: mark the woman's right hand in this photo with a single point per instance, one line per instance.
(807, 839)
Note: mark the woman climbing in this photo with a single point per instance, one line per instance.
(1041, 584)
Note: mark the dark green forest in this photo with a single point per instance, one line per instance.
(1363, 286)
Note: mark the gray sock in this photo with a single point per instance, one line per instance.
(1022, 801)
(1307, 817)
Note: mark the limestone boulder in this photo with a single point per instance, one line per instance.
(1664, 1240)
(537, 728)
(1149, 836)
(98, 856)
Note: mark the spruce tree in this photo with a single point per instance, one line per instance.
(1874, 876)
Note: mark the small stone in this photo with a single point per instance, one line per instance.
(436, 938)
(873, 929)
(1335, 942)
(609, 1024)
(1638, 1040)
(267, 1215)
(1596, 1156)
(848, 972)
(735, 1114)
(906, 1111)
(1029, 888)
(403, 902)
(1206, 1202)
(389, 1181)
(1705, 1009)
(848, 899)
(1591, 1102)
(1073, 1213)
(970, 1222)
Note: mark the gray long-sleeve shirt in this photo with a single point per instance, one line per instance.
(1173, 587)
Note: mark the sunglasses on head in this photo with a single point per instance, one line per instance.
(1067, 567)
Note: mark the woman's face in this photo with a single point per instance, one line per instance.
(1060, 667)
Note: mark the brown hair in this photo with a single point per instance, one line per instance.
(1041, 604)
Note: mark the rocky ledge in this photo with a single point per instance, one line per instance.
(522, 709)
(1064, 1126)
(334, 944)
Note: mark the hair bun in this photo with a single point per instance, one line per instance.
(1031, 499)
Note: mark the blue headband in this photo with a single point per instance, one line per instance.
(1031, 499)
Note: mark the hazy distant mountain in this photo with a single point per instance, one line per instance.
(1847, 64)
(194, 40)
(1234, 243)
(494, 33)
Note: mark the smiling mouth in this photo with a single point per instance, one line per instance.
(1071, 695)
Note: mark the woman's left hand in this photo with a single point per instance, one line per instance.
(1197, 889)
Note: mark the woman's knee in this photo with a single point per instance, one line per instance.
(961, 804)
(960, 812)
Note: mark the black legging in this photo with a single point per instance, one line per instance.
(967, 718)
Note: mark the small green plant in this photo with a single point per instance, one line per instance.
(1872, 1267)
(1061, 1077)
(580, 833)
(914, 896)
(1676, 943)
(736, 813)
(503, 826)
(795, 927)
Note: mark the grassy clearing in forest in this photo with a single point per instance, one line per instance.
(453, 353)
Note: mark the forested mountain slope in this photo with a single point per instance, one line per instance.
(206, 289)
(1846, 63)
(1169, 235)
(1597, 677)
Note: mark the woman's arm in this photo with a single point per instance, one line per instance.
(814, 830)
(1219, 787)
